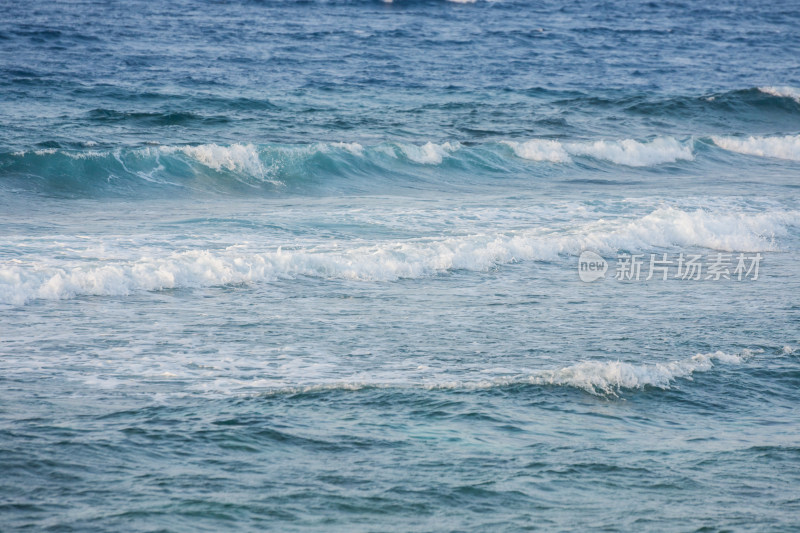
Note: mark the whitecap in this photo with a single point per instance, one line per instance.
(782, 92)
(21, 282)
(787, 147)
(634, 153)
(602, 378)
(429, 153)
(236, 157)
(540, 150)
(353, 148)
(627, 152)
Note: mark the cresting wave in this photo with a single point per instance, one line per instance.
(246, 166)
(258, 160)
(782, 92)
(24, 281)
(272, 167)
(625, 152)
(786, 147)
(601, 378)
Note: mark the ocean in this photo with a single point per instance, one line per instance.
(354, 265)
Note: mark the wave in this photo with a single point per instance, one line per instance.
(540, 150)
(612, 376)
(452, 1)
(787, 147)
(275, 167)
(242, 158)
(782, 92)
(624, 152)
(429, 153)
(601, 378)
(765, 107)
(154, 118)
(22, 282)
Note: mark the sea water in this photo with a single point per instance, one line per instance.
(314, 266)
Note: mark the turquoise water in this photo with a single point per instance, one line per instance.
(314, 266)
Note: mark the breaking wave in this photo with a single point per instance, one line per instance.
(625, 152)
(540, 150)
(299, 168)
(787, 147)
(601, 378)
(21, 282)
(276, 167)
(782, 92)
(429, 153)
(609, 377)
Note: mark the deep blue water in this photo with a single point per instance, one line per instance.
(313, 266)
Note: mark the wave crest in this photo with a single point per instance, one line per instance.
(21, 282)
(429, 153)
(782, 92)
(540, 150)
(236, 157)
(600, 378)
(610, 377)
(623, 152)
(787, 147)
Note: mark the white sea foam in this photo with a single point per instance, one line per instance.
(633, 153)
(236, 157)
(353, 148)
(89, 154)
(21, 282)
(429, 153)
(782, 92)
(787, 147)
(540, 150)
(255, 161)
(42, 151)
(607, 378)
(622, 152)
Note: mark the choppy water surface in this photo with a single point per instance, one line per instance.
(314, 266)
